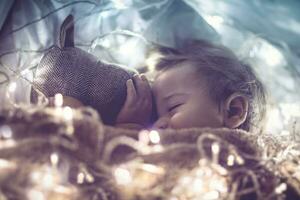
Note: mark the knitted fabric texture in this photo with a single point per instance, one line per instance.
(76, 73)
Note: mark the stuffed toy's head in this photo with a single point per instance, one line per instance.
(73, 72)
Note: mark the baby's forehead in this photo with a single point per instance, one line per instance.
(179, 77)
(180, 72)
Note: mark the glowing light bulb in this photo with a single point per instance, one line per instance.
(45, 177)
(204, 182)
(12, 87)
(80, 178)
(197, 184)
(6, 140)
(215, 148)
(122, 176)
(58, 100)
(218, 184)
(68, 116)
(68, 113)
(212, 195)
(230, 160)
(239, 160)
(144, 137)
(5, 132)
(281, 188)
(48, 180)
(64, 113)
(5, 164)
(89, 178)
(35, 195)
(54, 159)
(154, 137)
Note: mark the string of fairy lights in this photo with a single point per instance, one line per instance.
(61, 153)
(282, 119)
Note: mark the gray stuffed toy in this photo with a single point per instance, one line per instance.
(73, 72)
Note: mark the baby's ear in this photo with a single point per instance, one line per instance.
(235, 110)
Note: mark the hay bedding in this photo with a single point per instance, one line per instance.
(47, 156)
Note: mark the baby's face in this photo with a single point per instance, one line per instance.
(183, 101)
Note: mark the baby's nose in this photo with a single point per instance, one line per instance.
(161, 123)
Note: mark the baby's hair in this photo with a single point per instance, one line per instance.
(224, 72)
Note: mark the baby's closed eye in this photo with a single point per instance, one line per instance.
(174, 107)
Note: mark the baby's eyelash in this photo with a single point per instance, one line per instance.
(173, 107)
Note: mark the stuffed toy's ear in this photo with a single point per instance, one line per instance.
(73, 72)
(66, 36)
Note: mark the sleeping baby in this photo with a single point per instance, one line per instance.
(201, 85)
(197, 85)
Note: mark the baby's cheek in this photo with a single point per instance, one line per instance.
(179, 120)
